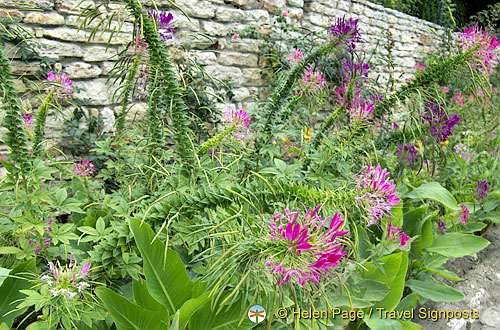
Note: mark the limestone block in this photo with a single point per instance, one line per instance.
(31, 4)
(224, 14)
(13, 14)
(96, 90)
(205, 58)
(77, 70)
(242, 45)
(98, 53)
(271, 5)
(257, 16)
(73, 6)
(57, 49)
(44, 19)
(216, 29)
(233, 74)
(238, 59)
(253, 77)
(295, 3)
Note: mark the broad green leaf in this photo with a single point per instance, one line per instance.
(190, 307)
(166, 277)
(426, 234)
(144, 299)
(9, 250)
(127, 315)
(3, 273)
(394, 271)
(434, 191)
(10, 290)
(407, 303)
(472, 227)
(441, 271)
(456, 245)
(434, 290)
(408, 325)
(411, 218)
(376, 323)
(493, 216)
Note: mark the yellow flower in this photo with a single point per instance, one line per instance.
(285, 140)
(444, 144)
(419, 145)
(307, 133)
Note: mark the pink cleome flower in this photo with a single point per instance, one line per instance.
(66, 280)
(60, 83)
(84, 168)
(464, 214)
(313, 80)
(296, 56)
(240, 119)
(419, 66)
(361, 112)
(235, 36)
(488, 51)
(395, 234)
(378, 193)
(306, 246)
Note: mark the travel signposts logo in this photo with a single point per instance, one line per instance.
(256, 313)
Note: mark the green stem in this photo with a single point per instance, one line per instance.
(120, 121)
(41, 117)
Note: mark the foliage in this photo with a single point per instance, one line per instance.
(164, 224)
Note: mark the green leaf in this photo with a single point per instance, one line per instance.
(3, 273)
(433, 290)
(190, 307)
(166, 277)
(472, 227)
(9, 250)
(411, 218)
(126, 315)
(426, 234)
(407, 303)
(376, 323)
(391, 271)
(434, 191)
(281, 165)
(493, 216)
(456, 245)
(441, 271)
(144, 299)
(10, 290)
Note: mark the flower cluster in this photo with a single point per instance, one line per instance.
(482, 188)
(352, 70)
(44, 242)
(67, 281)
(442, 226)
(239, 119)
(60, 83)
(360, 112)
(461, 150)
(463, 214)
(163, 24)
(312, 81)
(407, 155)
(84, 168)
(377, 191)
(397, 234)
(487, 54)
(345, 30)
(419, 66)
(459, 99)
(140, 46)
(28, 120)
(296, 57)
(306, 246)
(440, 122)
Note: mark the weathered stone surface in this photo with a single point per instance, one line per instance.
(73, 6)
(98, 53)
(108, 119)
(253, 77)
(106, 67)
(194, 8)
(271, 5)
(216, 29)
(295, 3)
(239, 3)
(232, 74)
(181, 22)
(56, 49)
(30, 4)
(12, 14)
(258, 16)
(242, 45)
(96, 90)
(238, 59)
(136, 112)
(73, 20)
(239, 94)
(20, 68)
(205, 58)
(79, 70)
(224, 14)
(44, 19)
(67, 34)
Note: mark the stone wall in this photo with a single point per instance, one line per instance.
(55, 24)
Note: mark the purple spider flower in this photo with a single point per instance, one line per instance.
(487, 54)
(346, 31)
(360, 112)
(296, 56)
(378, 193)
(440, 122)
(352, 70)
(407, 155)
(28, 120)
(307, 246)
(482, 188)
(442, 226)
(163, 24)
(67, 281)
(312, 80)
(84, 168)
(60, 83)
